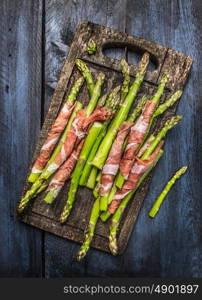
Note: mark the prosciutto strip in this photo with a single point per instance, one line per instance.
(53, 137)
(65, 170)
(77, 132)
(111, 166)
(136, 135)
(138, 169)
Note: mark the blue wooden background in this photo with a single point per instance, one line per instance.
(34, 39)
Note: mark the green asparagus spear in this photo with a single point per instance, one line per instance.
(98, 177)
(71, 98)
(88, 167)
(168, 125)
(125, 86)
(86, 74)
(90, 230)
(161, 197)
(95, 94)
(91, 48)
(92, 178)
(121, 114)
(97, 187)
(168, 103)
(119, 212)
(96, 190)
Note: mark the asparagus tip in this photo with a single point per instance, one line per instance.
(80, 255)
(124, 65)
(173, 121)
(91, 47)
(164, 79)
(113, 244)
(65, 213)
(182, 170)
(101, 76)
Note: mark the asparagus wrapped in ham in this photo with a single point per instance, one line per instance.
(121, 115)
(110, 106)
(139, 129)
(55, 132)
(101, 113)
(111, 165)
(77, 131)
(63, 173)
(88, 177)
(141, 165)
(116, 218)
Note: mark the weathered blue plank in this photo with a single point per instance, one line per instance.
(20, 90)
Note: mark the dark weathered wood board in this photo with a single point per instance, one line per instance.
(168, 61)
(170, 245)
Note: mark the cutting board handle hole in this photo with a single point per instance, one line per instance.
(134, 57)
(114, 52)
(132, 53)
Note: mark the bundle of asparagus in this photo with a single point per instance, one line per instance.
(103, 148)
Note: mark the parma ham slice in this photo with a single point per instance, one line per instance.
(136, 136)
(111, 166)
(53, 137)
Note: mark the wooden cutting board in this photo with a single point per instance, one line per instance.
(167, 61)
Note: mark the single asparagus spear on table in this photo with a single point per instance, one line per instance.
(155, 208)
(120, 210)
(120, 194)
(55, 132)
(66, 148)
(138, 132)
(111, 165)
(121, 115)
(111, 104)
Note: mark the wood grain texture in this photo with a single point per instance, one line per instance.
(20, 89)
(170, 245)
